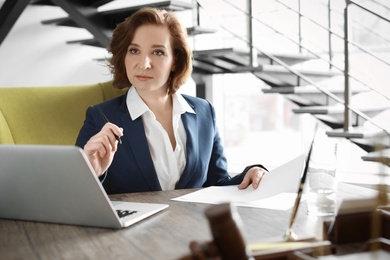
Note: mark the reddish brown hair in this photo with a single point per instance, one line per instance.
(124, 34)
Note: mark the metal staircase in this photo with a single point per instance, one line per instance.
(314, 90)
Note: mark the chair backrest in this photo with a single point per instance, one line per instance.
(5, 132)
(48, 115)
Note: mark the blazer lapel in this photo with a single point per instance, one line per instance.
(192, 149)
(134, 134)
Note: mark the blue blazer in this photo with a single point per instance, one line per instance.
(132, 168)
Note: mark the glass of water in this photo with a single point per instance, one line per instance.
(321, 183)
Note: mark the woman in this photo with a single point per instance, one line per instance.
(169, 141)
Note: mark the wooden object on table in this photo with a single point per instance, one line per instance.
(359, 220)
(228, 242)
(358, 227)
(226, 227)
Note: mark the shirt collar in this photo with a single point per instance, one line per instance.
(137, 106)
(181, 105)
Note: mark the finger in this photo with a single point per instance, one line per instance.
(114, 129)
(96, 148)
(257, 179)
(97, 158)
(245, 182)
(120, 133)
(102, 143)
(114, 133)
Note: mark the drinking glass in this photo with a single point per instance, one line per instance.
(321, 183)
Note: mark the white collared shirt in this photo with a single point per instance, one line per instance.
(169, 163)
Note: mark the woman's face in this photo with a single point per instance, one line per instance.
(149, 59)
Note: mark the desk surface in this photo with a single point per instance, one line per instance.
(165, 235)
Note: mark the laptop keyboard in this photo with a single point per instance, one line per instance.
(124, 213)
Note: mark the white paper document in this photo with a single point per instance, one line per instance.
(279, 185)
(282, 201)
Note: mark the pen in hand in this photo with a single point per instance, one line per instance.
(106, 120)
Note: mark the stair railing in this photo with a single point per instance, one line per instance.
(331, 33)
(379, 36)
(347, 89)
(300, 75)
(347, 42)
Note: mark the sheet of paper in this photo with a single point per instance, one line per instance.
(282, 201)
(283, 179)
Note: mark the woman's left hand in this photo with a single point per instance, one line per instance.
(254, 176)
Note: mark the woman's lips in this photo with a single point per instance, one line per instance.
(143, 77)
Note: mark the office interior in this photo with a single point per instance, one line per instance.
(253, 84)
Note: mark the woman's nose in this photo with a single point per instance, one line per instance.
(144, 63)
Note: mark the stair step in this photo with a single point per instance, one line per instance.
(272, 74)
(214, 58)
(90, 42)
(369, 139)
(205, 68)
(94, 3)
(382, 156)
(275, 75)
(118, 7)
(291, 58)
(41, 2)
(309, 90)
(113, 13)
(372, 143)
(337, 110)
(330, 121)
(310, 95)
(240, 57)
(95, 43)
(196, 30)
(337, 113)
(98, 3)
(358, 132)
(364, 144)
(62, 21)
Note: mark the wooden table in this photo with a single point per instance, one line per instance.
(165, 235)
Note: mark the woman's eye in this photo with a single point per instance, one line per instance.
(158, 52)
(133, 51)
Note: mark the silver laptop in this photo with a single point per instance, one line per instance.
(56, 184)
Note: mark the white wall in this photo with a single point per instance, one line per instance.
(34, 54)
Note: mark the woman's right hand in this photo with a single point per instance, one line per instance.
(100, 149)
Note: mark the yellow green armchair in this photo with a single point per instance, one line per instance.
(48, 115)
